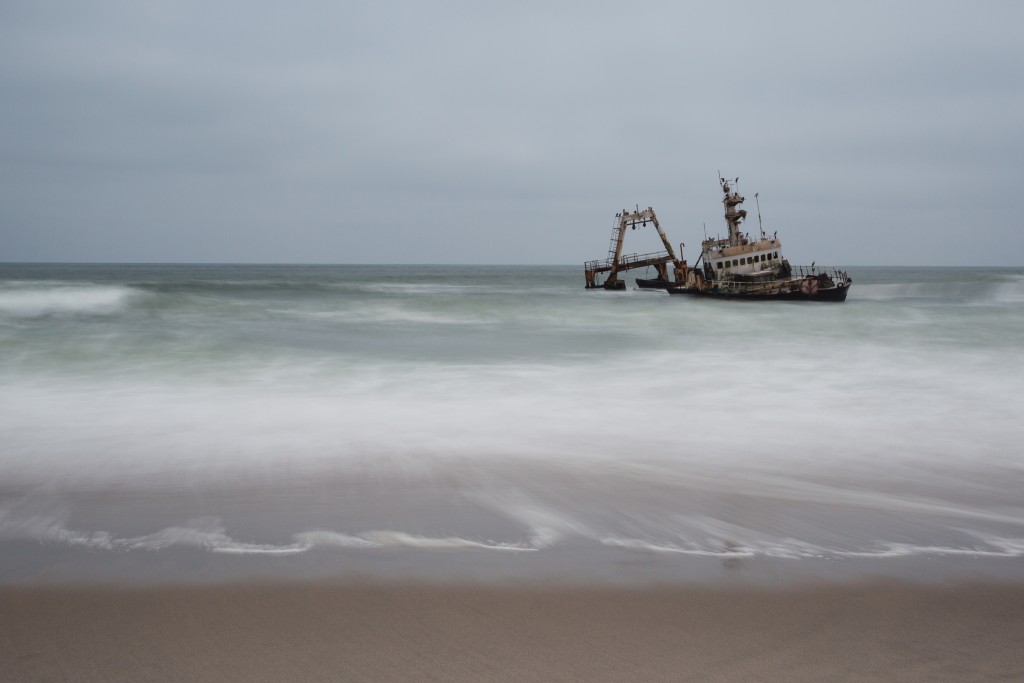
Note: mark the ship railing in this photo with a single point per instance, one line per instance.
(644, 259)
(813, 270)
(797, 273)
(629, 261)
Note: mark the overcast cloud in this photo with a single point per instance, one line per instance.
(474, 132)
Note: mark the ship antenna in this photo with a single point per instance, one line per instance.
(759, 214)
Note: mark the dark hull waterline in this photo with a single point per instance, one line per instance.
(830, 294)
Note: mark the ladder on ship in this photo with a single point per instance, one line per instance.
(617, 238)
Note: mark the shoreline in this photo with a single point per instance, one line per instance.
(28, 564)
(874, 630)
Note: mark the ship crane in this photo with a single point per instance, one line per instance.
(617, 263)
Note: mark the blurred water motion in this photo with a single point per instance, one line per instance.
(270, 410)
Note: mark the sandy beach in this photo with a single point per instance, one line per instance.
(329, 632)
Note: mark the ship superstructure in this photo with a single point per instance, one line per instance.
(738, 254)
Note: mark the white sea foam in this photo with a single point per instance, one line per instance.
(676, 549)
(49, 528)
(837, 417)
(209, 534)
(21, 300)
(387, 539)
(419, 289)
(1007, 289)
(889, 292)
(384, 314)
(546, 526)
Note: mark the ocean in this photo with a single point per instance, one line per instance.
(211, 422)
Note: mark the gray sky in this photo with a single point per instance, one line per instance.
(475, 132)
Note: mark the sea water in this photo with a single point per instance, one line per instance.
(496, 413)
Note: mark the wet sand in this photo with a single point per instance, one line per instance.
(330, 632)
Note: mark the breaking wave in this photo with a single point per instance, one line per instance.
(26, 300)
(1010, 291)
(210, 534)
(792, 549)
(546, 530)
(998, 289)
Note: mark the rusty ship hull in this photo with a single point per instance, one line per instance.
(791, 290)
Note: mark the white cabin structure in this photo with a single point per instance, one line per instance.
(737, 254)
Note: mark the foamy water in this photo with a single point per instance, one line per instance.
(258, 410)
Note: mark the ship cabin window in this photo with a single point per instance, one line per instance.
(750, 260)
(735, 262)
(762, 257)
(720, 265)
(775, 255)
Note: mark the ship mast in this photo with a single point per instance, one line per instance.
(733, 215)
